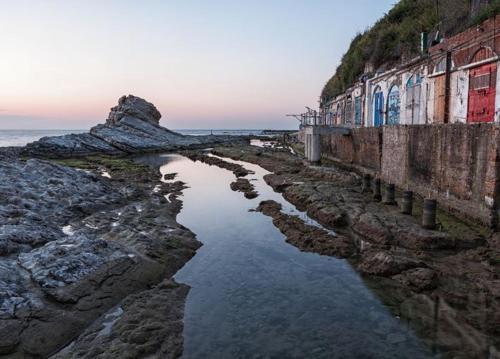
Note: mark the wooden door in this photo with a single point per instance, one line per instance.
(482, 88)
(439, 98)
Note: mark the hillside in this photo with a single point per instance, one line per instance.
(396, 36)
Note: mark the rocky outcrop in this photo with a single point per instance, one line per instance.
(238, 170)
(306, 237)
(75, 245)
(244, 185)
(131, 127)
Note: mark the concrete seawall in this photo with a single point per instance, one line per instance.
(456, 163)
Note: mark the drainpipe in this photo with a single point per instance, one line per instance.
(447, 88)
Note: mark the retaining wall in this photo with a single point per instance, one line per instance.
(458, 164)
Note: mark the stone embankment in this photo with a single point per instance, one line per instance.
(409, 267)
(133, 126)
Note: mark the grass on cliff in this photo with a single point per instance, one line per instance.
(396, 37)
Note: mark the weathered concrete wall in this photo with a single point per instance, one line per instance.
(458, 164)
(363, 147)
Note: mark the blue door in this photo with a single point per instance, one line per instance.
(378, 115)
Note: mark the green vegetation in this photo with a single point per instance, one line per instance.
(396, 37)
(111, 164)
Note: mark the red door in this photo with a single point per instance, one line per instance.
(482, 86)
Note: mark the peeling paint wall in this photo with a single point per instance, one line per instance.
(459, 92)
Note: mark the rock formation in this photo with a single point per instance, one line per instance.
(76, 247)
(131, 127)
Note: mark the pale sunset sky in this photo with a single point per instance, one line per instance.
(204, 64)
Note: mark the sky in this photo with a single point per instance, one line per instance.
(204, 64)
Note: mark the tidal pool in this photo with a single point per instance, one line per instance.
(255, 296)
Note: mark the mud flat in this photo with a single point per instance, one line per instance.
(444, 282)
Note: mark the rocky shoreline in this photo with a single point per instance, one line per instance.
(447, 275)
(75, 245)
(89, 242)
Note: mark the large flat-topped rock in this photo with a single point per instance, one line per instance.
(131, 127)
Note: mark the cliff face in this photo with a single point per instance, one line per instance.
(396, 36)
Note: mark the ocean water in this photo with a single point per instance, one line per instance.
(255, 296)
(23, 137)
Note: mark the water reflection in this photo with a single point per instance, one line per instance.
(253, 295)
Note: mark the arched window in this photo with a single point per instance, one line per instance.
(393, 106)
(484, 53)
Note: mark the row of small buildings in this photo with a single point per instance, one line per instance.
(454, 81)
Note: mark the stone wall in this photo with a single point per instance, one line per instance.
(363, 147)
(456, 163)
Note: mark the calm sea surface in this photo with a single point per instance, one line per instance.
(255, 296)
(22, 137)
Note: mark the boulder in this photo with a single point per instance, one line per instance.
(135, 107)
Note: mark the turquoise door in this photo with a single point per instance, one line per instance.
(378, 110)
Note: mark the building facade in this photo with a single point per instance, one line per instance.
(454, 81)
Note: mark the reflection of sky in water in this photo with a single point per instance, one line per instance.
(254, 295)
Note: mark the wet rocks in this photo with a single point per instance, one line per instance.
(383, 263)
(306, 237)
(146, 324)
(244, 185)
(238, 170)
(74, 244)
(419, 279)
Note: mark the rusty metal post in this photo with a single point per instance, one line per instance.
(390, 194)
(366, 183)
(407, 203)
(429, 214)
(377, 195)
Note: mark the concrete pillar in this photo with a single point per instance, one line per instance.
(315, 148)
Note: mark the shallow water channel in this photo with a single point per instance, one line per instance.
(255, 296)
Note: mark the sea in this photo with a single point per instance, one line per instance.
(22, 137)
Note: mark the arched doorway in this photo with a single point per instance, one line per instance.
(482, 87)
(393, 106)
(413, 90)
(378, 107)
